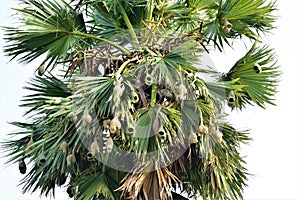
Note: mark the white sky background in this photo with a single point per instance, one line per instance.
(274, 154)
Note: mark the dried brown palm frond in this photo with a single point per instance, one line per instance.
(143, 184)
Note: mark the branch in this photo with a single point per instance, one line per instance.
(150, 10)
(128, 23)
(99, 39)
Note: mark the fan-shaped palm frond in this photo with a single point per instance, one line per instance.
(50, 27)
(46, 27)
(258, 72)
(48, 90)
(97, 185)
(236, 18)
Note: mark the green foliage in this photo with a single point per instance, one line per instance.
(96, 185)
(45, 27)
(246, 17)
(259, 83)
(133, 83)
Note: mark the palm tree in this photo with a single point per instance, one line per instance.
(129, 114)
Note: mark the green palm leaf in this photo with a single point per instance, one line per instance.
(49, 27)
(46, 27)
(259, 86)
(47, 90)
(246, 18)
(106, 24)
(94, 185)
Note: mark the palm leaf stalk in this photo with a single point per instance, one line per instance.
(133, 118)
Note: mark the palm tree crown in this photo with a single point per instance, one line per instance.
(132, 116)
